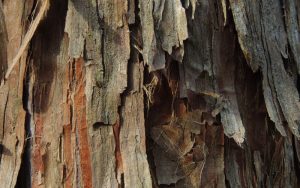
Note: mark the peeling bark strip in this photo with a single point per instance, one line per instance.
(150, 93)
(214, 45)
(164, 27)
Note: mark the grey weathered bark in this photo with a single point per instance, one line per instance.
(151, 93)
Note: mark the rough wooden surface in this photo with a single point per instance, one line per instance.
(3, 42)
(11, 108)
(151, 93)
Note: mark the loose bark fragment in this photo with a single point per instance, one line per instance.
(264, 43)
(166, 169)
(173, 140)
(170, 21)
(198, 48)
(164, 27)
(213, 77)
(152, 53)
(76, 26)
(181, 149)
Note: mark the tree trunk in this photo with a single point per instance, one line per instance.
(150, 93)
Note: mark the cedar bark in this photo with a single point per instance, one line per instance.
(151, 93)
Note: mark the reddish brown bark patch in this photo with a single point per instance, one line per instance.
(68, 169)
(81, 123)
(119, 161)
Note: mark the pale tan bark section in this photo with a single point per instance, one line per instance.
(11, 109)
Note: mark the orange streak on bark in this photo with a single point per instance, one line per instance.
(37, 160)
(68, 156)
(119, 162)
(81, 124)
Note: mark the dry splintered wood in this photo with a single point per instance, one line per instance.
(29, 34)
(149, 93)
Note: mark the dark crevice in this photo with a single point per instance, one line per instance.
(149, 141)
(24, 176)
(46, 46)
(42, 60)
(97, 125)
(296, 159)
(122, 181)
(2, 147)
(298, 83)
(160, 111)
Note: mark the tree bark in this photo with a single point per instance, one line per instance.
(151, 93)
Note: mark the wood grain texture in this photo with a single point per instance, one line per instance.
(12, 116)
(151, 93)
